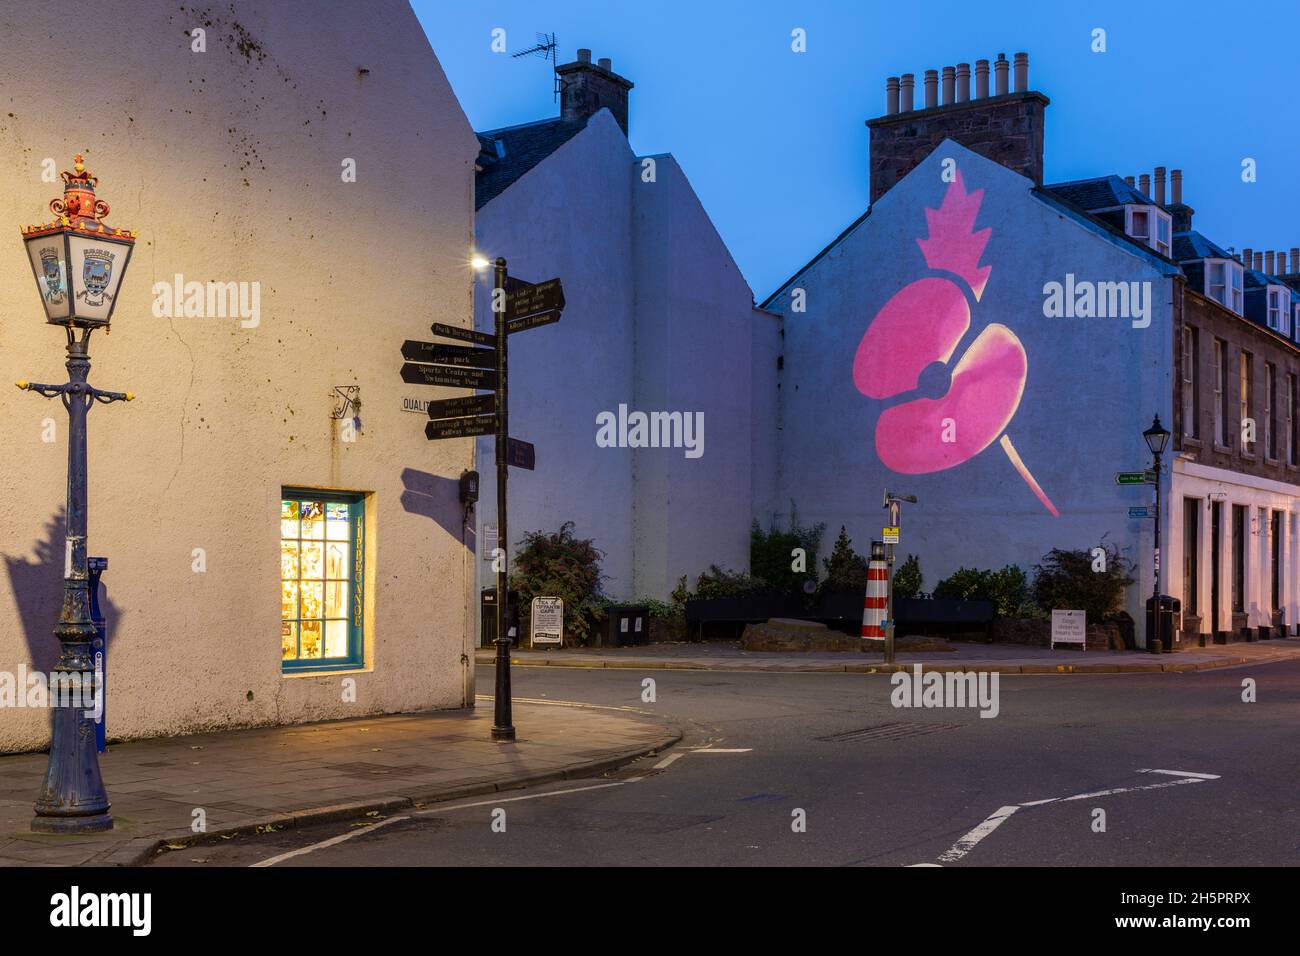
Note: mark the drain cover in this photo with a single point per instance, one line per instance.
(889, 731)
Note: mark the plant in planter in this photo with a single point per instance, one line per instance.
(1066, 579)
(846, 570)
(907, 579)
(564, 566)
(770, 553)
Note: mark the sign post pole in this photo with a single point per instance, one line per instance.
(895, 505)
(503, 727)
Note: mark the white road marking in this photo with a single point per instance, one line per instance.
(1184, 773)
(666, 761)
(995, 820)
(721, 750)
(968, 842)
(332, 841)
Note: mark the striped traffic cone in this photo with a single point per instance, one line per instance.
(873, 607)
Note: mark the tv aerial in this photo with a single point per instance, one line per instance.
(545, 48)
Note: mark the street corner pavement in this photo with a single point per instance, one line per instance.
(957, 656)
(189, 790)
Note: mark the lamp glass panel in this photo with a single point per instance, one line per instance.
(95, 271)
(51, 268)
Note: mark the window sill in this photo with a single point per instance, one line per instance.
(1223, 449)
(342, 670)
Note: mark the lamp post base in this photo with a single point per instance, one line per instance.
(95, 823)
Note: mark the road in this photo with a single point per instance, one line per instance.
(915, 787)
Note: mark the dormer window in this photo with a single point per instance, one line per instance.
(1149, 225)
(1279, 309)
(1223, 279)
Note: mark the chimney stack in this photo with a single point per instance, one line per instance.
(585, 89)
(1000, 75)
(1179, 210)
(1006, 127)
(1159, 197)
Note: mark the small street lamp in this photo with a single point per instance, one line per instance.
(1156, 438)
(78, 262)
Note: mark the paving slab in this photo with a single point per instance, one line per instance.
(415, 758)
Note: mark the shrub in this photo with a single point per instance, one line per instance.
(907, 579)
(717, 583)
(1008, 588)
(770, 553)
(564, 566)
(1066, 580)
(846, 570)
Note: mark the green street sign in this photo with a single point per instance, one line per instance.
(1134, 477)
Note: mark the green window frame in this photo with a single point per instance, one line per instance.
(322, 580)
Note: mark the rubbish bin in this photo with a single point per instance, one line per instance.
(625, 625)
(1171, 621)
(488, 617)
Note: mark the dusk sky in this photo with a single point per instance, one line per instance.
(774, 142)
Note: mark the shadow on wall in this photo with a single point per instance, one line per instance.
(438, 498)
(38, 591)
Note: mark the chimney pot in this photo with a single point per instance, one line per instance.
(949, 79)
(1268, 262)
(891, 95)
(931, 89)
(1144, 184)
(1129, 180)
(1176, 186)
(909, 85)
(1022, 72)
(981, 79)
(1247, 259)
(1259, 262)
(605, 63)
(1295, 260)
(963, 82)
(584, 55)
(1000, 74)
(1159, 197)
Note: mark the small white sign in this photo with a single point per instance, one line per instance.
(1069, 627)
(622, 625)
(638, 625)
(547, 621)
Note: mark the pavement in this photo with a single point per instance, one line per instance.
(268, 779)
(992, 658)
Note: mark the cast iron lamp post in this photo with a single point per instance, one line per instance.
(1157, 437)
(78, 262)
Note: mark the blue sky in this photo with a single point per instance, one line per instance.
(774, 142)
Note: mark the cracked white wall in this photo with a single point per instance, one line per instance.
(229, 162)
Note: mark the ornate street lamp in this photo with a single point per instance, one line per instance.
(78, 262)
(1156, 437)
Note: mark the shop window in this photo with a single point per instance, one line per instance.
(322, 575)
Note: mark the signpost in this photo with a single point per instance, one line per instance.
(517, 306)
(547, 621)
(1134, 477)
(895, 505)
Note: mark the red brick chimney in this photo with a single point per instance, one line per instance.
(1006, 127)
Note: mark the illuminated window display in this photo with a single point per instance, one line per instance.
(322, 547)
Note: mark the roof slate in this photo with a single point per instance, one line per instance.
(522, 148)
